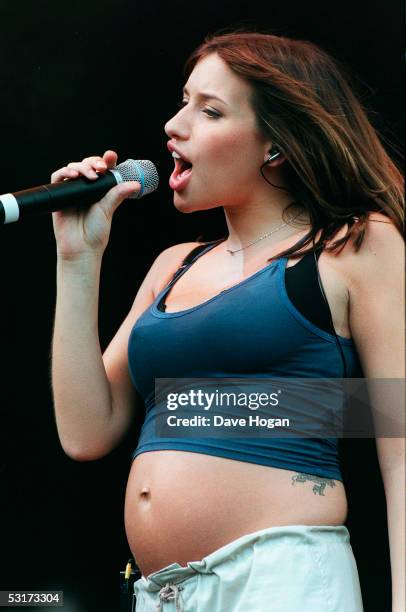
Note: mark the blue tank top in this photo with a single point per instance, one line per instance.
(252, 329)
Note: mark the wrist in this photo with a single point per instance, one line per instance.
(79, 259)
(85, 265)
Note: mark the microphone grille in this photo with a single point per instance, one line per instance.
(141, 170)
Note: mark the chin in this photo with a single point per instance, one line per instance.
(187, 205)
(182, 205)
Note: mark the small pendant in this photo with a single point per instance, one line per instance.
(231, 252)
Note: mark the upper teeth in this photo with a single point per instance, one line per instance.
(176, 155)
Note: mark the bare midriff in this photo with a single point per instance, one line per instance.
(181, 506)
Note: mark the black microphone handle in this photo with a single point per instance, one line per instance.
(57, 196)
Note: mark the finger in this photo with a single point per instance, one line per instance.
(110, 157)
(96, 162)
(62, 174)
(83, 168)
(113, 198)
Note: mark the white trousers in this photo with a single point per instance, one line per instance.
(294, 568)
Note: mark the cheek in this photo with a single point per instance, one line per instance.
(222, 148)
(230, 158)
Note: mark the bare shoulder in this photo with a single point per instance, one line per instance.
(377, 304)
(167, 262)
(381, 255)
(381, 233)
(378, 263)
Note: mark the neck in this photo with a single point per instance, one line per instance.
(248, 223)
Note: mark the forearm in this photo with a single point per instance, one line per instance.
(394, 483)
(80, 386)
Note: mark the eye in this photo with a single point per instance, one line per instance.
(210, 113)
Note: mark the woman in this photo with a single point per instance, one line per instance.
(269, 130)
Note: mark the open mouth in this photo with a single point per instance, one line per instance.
(181, 165)
(181, 174)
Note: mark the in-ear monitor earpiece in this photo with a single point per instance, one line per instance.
(273, 155)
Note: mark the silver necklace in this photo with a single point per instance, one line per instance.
(262, 237)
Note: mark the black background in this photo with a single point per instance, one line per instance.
(78, 78)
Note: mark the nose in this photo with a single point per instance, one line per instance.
(177, 126)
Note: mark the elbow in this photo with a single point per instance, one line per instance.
(84, 454)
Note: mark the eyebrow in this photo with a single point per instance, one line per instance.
(206, 96)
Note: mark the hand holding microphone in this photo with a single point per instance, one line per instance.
(81, 231)
(83, 197)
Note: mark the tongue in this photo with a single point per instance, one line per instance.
(179, 181)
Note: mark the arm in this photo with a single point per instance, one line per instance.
(88, 425)
(94, 398)
(377, 319)
(395, 486)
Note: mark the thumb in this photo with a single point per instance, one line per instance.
(113, 198)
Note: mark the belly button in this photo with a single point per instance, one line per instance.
(145, 492)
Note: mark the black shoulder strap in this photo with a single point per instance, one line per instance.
(192, 256)
(188, 260)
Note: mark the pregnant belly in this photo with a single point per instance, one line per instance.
(181, 506)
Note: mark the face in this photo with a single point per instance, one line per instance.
(216, 131)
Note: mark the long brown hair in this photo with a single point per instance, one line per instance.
(336, 166)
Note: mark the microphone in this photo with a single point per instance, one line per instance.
(77, 192)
